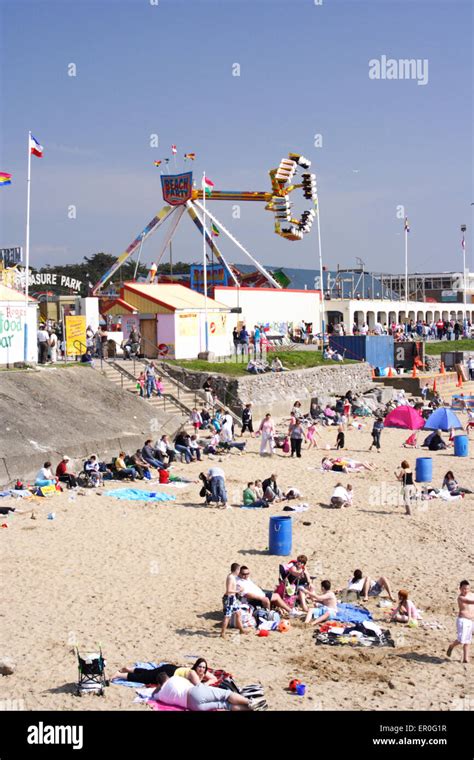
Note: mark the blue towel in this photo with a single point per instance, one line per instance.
(135, 684)
(349, 613)
(135, 494)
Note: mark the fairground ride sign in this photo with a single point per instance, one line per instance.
(177, 188)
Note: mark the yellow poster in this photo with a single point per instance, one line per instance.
(75, 335)
(188, 325)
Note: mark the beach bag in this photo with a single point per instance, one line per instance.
(286, 445)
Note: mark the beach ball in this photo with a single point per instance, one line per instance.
(283, 626)
(262, 633)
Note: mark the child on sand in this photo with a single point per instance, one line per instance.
(311, 434)
(341, 438)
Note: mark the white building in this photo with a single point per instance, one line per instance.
(18, 327)
(370, 311)
(276, 308)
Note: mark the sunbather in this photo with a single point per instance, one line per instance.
(197, 674)
(180, 692)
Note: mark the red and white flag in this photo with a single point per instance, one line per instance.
(35, 148)
(174, 149)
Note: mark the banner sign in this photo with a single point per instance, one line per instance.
(75, 335)
(177, 188)
(51, 278)
(11, 256)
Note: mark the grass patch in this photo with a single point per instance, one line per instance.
(435, 348)
(290, 359)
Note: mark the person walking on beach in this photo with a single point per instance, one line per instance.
(405, 476)
(297, 435)
(376, 433)
(464, 621)
(267, 430)
(247, 422)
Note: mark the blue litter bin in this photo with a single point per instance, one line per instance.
(461, 446)
(424, 470)
(280, 535)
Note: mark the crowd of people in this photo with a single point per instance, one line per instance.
(442, 329)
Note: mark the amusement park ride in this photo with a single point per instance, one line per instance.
(182, 196)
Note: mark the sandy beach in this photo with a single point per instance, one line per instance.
(146, 581)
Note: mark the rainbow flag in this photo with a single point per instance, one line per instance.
(407, 226)
(192, 156)
(215, 231)
(207, 185)
(157, 163)
(5, 179)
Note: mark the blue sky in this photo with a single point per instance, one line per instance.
(166, 69)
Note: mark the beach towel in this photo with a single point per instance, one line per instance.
(350, 613)
(165, 708)
(355, 639)
(136, 684)
(135, 494)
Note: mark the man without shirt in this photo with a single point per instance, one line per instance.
(465, 621)
(327, 606)
(231, 602)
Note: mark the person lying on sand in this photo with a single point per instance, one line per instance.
(180, 692)
(196, 674)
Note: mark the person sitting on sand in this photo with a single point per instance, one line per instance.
(140, 465)
(92, 468)
(341, 497)
(368, 587)
(151, 456)
(64, 474)
(295, 583)
(327, 606)
(405, 611)
(271, 491)
(250, 498)
(450, 482)
(231, 602)
(436, 442)
(121, 469)
(165, 450)
(45, 476)
(180, 692)
(248, 589)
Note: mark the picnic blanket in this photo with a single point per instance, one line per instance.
(135, 494)
(366, 634)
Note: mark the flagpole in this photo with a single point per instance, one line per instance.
(27, 242)
(406, 270)
(463, 246)
(204, 259)
(323, 325)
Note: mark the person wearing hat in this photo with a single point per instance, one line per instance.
(64, 474)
